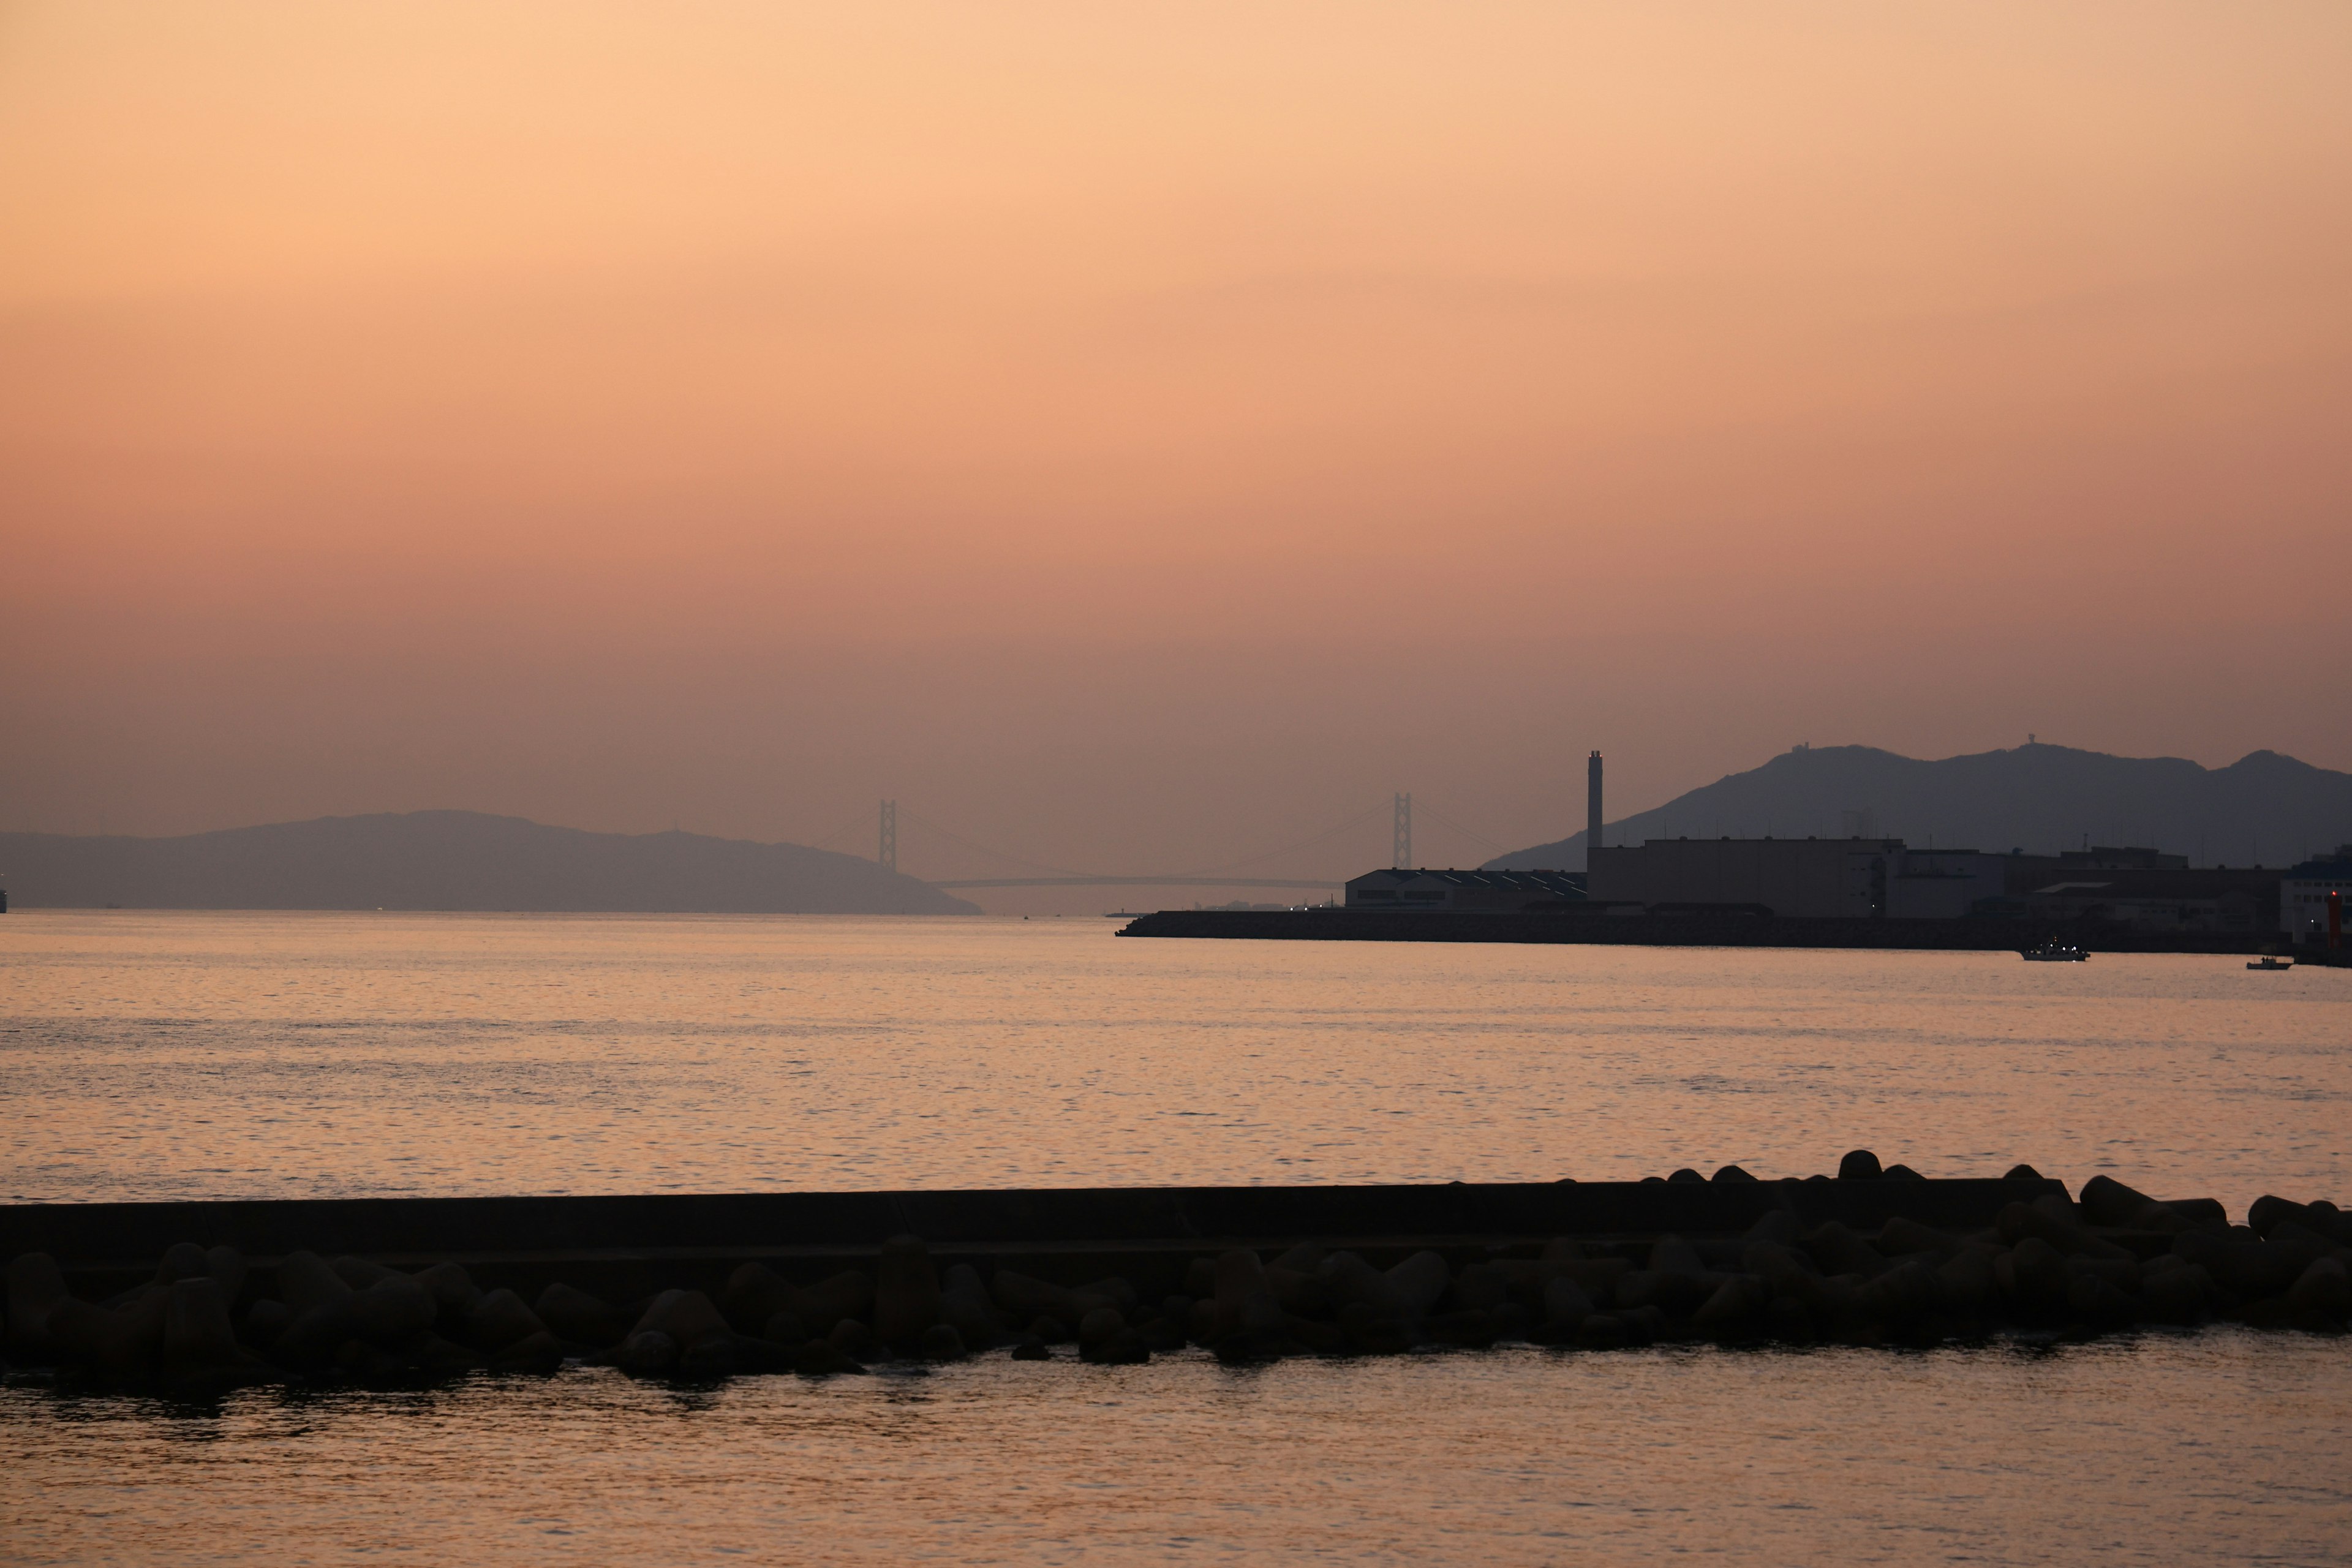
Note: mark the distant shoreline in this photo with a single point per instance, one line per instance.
(454, 862)
(1678, 931)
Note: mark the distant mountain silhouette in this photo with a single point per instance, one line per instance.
(2262, 808)
(453, 860)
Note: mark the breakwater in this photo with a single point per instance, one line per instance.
(199, 1296)
(1706, 929)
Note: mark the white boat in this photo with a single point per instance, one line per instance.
(2053, 952)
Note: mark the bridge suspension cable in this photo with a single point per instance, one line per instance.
(860, 820)
(1143, 882)
(1261, 858)
(1247, 860)
(1205, 876)
(977, 847)
(1428, 810)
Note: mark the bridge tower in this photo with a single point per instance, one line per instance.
(888, 856)
(1403, 834)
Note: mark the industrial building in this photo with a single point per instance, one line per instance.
(1865, 876)
(1943, 884)
(1490, 891)
(1820, 878)
(1859, 876)
(2312, 895)
(2164, 902)
(2140, 889)
(1884, 878)
(2111, 858)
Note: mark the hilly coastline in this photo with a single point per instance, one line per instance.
(2264, 808)
(453, 860)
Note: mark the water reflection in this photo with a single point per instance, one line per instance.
(2156, 1448)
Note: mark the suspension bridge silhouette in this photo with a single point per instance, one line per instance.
(1244, 873)
(1143, 882)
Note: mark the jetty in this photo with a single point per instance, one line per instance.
(202, 1295)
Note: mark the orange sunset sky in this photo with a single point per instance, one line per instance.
(1135, 434)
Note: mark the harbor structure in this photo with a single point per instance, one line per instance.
(2311, 898)
(1943, 884)
(2165, 900)
(1886, 878)
(1423, 888)
(1821, 877)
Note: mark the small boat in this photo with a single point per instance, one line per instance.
(2053, 952)
(2268, 962)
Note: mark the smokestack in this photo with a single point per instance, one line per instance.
(1591, 808)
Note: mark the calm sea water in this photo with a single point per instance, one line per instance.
(192, 1055)
(187, 1055)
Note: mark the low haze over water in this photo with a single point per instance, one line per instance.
(188, 1055)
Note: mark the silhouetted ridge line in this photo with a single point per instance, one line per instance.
(2263, 808)
(455, 860)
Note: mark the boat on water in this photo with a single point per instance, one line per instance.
(2053, 952)
(2267, 962)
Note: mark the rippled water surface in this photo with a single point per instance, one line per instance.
(2220, 1447)
(189, 1055)
(167, 1055)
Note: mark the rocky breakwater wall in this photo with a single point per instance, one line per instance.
(1748, 1262)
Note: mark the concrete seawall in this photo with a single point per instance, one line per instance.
(1676, 930)
(627, 1244)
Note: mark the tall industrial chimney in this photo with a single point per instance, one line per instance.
(1592, 809)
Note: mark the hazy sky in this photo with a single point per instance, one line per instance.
(1140, 435)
